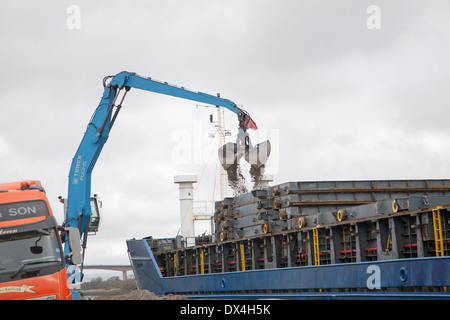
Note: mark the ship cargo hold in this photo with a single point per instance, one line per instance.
(382, 239)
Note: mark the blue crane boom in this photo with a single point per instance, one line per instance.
(79, 205)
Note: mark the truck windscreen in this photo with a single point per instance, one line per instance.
(30, 253)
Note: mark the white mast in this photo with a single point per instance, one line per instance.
(221, 141)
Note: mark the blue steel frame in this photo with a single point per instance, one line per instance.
(403, 274)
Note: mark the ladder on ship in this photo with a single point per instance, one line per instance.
(439, 242)
(316, 246)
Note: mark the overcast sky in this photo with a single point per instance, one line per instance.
(344, 90)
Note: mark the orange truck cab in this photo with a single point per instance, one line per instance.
(32, 262)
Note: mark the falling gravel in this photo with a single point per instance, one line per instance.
(236, 180)
(256, 173)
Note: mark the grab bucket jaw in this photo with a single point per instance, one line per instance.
(231, 153)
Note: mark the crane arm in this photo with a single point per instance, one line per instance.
(78, 208)
(132, 80)
(148, 84)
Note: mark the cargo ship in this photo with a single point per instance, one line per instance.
(380, 239)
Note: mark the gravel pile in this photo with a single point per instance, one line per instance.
(141, 295)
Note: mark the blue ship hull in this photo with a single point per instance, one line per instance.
(312, 240)
(391, 279)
